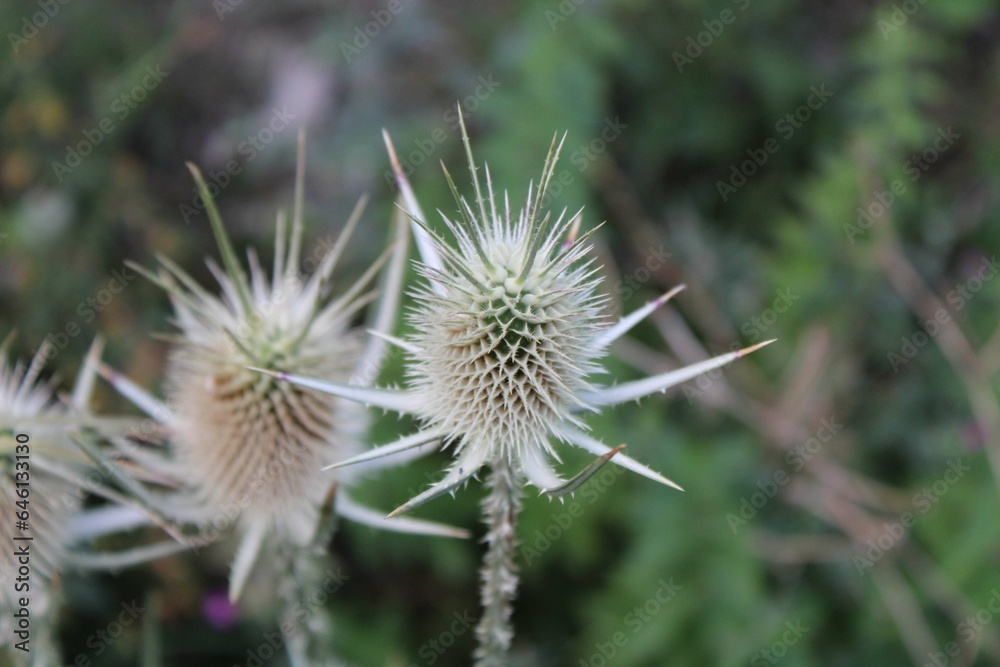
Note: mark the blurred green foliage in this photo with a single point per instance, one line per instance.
(690, 117)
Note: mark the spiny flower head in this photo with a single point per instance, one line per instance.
(53, 455)
(243, 440)
(23, 403)
(39, 483)
(508, 328)
(506, 332)
(250, 449)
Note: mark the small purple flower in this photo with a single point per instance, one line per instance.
(218, 610)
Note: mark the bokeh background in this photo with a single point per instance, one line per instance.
(823, 173)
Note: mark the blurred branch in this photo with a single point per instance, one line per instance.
(950, 339)
(951, 599)
(904, 608)
(783, 412)
(797, 549)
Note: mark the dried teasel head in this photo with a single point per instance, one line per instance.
(30, 451)
(250, 448)
(509, 328)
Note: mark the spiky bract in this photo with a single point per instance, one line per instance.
(506, 337)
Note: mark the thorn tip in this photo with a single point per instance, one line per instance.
(753, 348)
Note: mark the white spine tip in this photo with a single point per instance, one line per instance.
(390, 148)
(671, 294)
(753, 348)
(265, 371)
(574, 230)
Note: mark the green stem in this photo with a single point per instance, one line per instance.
(311, 577)
(499, 574)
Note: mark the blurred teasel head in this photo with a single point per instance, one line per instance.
(251, 448)
(248, 444)
(45, 476)
(35, 500)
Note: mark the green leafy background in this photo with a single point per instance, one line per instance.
(898, 72)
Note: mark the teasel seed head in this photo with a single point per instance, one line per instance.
(34, 448)
(245, 442)
(508, 328)
(505, 337)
